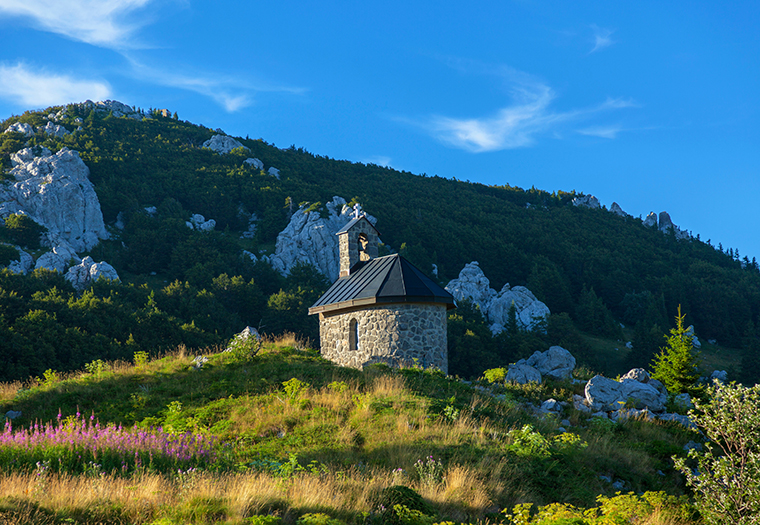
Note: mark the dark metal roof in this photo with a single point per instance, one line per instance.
(351, 225)
(390, 279)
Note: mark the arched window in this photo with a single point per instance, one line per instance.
(363, 246)
(353, 335)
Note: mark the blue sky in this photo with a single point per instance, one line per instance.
(654, 105)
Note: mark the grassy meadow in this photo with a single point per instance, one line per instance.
(287, 437)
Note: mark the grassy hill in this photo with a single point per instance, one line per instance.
(593, 269)
(287, 436)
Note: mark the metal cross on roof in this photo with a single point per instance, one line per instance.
(357, 210)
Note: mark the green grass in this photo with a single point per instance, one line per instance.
(295, 422)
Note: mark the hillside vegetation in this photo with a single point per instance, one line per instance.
(592, 268)
(285, 436)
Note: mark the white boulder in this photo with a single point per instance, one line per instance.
(26, 155)
(254, 163)
(617, 210)
(56, 192)
(472, 285)
(199, 222)
(222, 144)
(54, 130)
(587, 201)
(20, 127)
(608, 395)
(59, 258)
(274, 172)
(311, 239)
(555, 363)
(651, 220)
(522, 373)
(88, 271)
(23, 265)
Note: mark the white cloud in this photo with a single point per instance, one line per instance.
(104, 23)
(602, 38)
(40, 88)
(605, 132)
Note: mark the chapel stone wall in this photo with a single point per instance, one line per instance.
(398, 334)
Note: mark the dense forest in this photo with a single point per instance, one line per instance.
(593, 269)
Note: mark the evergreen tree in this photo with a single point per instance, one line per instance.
(750, 363)
(677, 363)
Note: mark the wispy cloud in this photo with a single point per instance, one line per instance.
(605, 132)
(517, 125)
(232, 93)
(602, 38)
(105, 23)
(27, 87)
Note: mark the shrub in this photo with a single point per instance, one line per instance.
(495, 375)
(395, 495)
(22, 230)
(727, 478)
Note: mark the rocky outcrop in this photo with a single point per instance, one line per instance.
(608, 395)
(274, 172)
(555, 363)
(88, 271)
(222, 144)
(617, 210)
(59, 258)
(651, 220)
(472, 285)
(116, 108)
(311, 239)
(55, 191)
(54, 130)
(665, 224)
(199, 222)
(20, 127)
(254, 163)
(23, 265)
(587, 201)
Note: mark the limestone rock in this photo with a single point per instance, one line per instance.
(274, 172)
(13, 414)
(311, 239)
(637, 374)
(719, 375)
(522, 374)
(56, 192)
(24, 263)
(651, 220)
(199, 222)
(472, 285)
(20, 127)
(88, 271)
(678, 418)
(54, 130)
(608, 395)
(59, 258)
(587, 201)
(666, 225)
(555, 363)
(694, 341)
(617, 210)
(551, 406)
(683, 401)
(116, 108)
(254, 163)
(222, 144)
(26, 155)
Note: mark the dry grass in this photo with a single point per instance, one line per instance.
(9, 390)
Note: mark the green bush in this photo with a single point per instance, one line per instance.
(396, 495)
(22, 230)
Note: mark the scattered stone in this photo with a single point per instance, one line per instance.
(551, 406)
(13, 414)
(199, 222)
(54, 130)
(88, 271)
(629, 345)
(587, 201)
(678, 418)
(254, 163)
(249, 335)
(21, 127)
(198, 362)
(720, 375)
(472, 285)
(151, 210)
(683, 402)
(222, 144)
(274, 172)
(637, 374)
(692, 445)
(555, 363)
(522, 374)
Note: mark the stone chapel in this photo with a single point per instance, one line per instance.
(381, 309)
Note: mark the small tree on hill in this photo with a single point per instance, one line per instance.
(677, 363)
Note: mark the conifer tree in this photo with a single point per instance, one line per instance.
(677, 363)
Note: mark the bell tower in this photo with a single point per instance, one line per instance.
(358, 242)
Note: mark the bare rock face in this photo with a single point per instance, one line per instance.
(54, 130)
(617, 210)
(19, 127)
(222, 144)
(651, 220)
(55, 191)
(311, 239)
(59, 258)
(587, 201)
(472, 285)
(116, 108)
(254, 163)
(88, 271)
